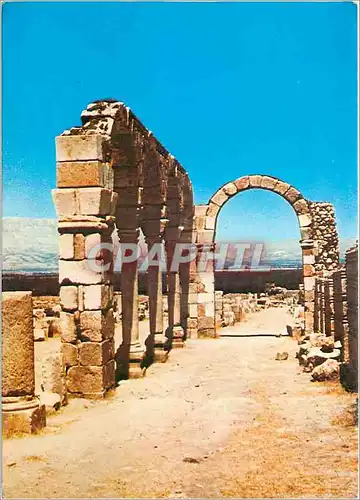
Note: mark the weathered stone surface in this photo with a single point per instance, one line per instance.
(69, 298)
(281, 187)
(85, 379)
(268, 182)
(95, 201)
(78, 272)
(230, 189)
(328, 370)
(212, 209)
(65, 202)
(255, 180)
(205, 237)
(242, 183)
(66, 246)
(309, 283)
(282, 356)
(79, 246)
(68, 327)
(292, 195)
(39, 335)
(96, 353)
(18, 378)
(301, 206)
(23, 421)
(304, 220)
(308, 259)
(308, 270)
(96, 326)
(219, 198)
(97, 296)
(79, 147)
(69, 354)
(82, 174)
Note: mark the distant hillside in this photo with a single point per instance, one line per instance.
(30, 245)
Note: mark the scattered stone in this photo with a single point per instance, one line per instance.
(329, 370)
(191, 460)
(281, 356)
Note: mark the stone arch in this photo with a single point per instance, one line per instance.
(111, 173)
(206, 222)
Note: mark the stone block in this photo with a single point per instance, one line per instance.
(69, 354)
(205, 237)
(96, 353)
(212, 210)
(68, 327)
(79, 272)
(94, 201)
(309, 283)
(210, 222)
(96, 326)
(230, 189)
(309, 259)
(26, 421)
(301, 206)
(18, 376)
(66, 246)
(96, 297)
(79, 147)
(292, 195)
(304, 220)
(242, 183)
(82, 174)
(268, 182)
(219, 198)
(255, 180)
(85, 379)
(109, 374)
(79, 246)
(91, 241)
(69, 298)
(65, 202)
(206, 323)
(306, 233)
(281, 187)
(309, 270)
(200, 210)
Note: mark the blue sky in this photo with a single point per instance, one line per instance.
(229, 89)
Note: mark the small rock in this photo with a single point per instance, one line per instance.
(51, 400)
(191, 460)
(328, 370)
(282, 356)
(39, 335)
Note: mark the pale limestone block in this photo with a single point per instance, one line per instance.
(268, 182)
(210, 222)
(69, 297)
(304, 220)
(219, 198)
(91, 241)
(68, 327)
(281, 187)
(65, 202)
(230, 189)
(210, 308)
(193, 310)
(94, 201)
(309, 283)
(205, 298)
(200, 210)
(66, 246)
(79, 147)
(96, 297)
(242, 183)
(70, 174)
(79, 272)
(309, 259)
(255, 180)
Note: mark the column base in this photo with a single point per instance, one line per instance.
(177, 337)
(161, 348)
(22, 415)
(137, 367)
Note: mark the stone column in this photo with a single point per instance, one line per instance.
(157, 342)
(21, 409)
(308, 259)
(175, 331)
(85, 204)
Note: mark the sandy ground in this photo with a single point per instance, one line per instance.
(222, 418)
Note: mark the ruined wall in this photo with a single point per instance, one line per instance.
(351, 366)
(325, 235)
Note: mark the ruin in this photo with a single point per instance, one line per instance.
(113, 174)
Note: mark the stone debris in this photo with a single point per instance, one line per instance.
(328, 370)
(282, 356)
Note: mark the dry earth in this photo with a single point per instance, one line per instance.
(222, 418)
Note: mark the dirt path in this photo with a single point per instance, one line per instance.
(220, 418)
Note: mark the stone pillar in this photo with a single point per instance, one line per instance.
(308, 259)
(157, 342)
(175, 331)
(21, 409)
(85, 204)
(130, 355)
